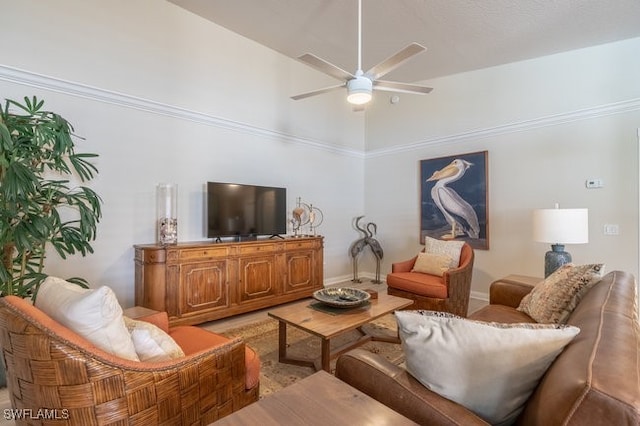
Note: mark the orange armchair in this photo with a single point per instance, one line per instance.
(449, 293)
(51, 367)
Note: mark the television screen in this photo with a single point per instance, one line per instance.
(245, 210)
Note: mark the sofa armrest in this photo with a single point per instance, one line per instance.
(398, 390)
(509, 291)
(404, 266)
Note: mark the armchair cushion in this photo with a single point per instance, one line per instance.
(194, 339)
(489, 368)
(442, 247)
(421, 284)
(552, 300)
(434, 264)
(95, 315)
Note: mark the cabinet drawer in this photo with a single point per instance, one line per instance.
(202, 253)
(292, 245)
(150, 256)
(257, 248)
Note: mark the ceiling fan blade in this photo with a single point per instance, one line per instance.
(325, 67)
(395, 60)
(317, 92)
(394, 86)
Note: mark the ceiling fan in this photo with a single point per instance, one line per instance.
(360, 85)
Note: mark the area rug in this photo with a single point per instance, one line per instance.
(263, 338)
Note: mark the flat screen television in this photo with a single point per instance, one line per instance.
(236, 210)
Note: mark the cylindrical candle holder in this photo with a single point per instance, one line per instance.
(167, 208)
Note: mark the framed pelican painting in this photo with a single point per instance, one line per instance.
(453, 199)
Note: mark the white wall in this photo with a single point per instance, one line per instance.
(548, 125)
(164, 96)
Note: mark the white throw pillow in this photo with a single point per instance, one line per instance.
(433, 264)
(447, 248)
(489, 368)
(151, 343)
(95, 315)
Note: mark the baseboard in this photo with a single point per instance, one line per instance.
(480, 296)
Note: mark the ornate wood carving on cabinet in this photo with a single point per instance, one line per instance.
(203, 281)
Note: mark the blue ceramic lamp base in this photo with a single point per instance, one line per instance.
(555, 258)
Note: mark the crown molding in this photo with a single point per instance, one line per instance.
(32, 79)
(521, 126)
(54, 84)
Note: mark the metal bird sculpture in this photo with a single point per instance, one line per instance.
(457, 212)
(359, 245)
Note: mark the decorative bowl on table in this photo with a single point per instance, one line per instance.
(342, 297)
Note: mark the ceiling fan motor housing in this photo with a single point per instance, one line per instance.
(359, 90)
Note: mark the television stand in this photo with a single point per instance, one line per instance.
(276, 236)
(204, 281)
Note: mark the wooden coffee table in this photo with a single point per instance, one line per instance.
(319, 399)
(328, 323)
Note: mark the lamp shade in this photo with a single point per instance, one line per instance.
(561, 226)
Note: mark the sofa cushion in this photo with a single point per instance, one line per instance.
(552, 300)
(95, 315)
(151, 343)
(500, 313)
(421, 284)
(447, 248)
(195, 339)
(490, 368)
(434, 264)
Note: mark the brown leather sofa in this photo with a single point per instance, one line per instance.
(51, 367)
(448, 293)
(594, 381)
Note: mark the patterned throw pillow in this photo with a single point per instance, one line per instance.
(446, 248)
(489, 368)
(151, 343)
(433, 264)
(552, 300)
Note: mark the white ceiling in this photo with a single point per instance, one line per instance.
(460, 35)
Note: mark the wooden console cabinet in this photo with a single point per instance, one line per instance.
(203, 281)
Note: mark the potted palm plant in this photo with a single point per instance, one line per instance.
(41, 207)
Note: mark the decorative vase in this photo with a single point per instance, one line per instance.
(167, 208)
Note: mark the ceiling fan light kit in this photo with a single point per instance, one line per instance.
(359, 90)
(360, 85)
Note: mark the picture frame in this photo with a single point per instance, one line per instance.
(454, 199)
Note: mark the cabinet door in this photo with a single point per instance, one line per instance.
(256, 277)
(203, 286)
(300, 274)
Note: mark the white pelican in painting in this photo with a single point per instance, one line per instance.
(457, 212)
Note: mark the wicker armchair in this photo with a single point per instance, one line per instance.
(50, 367)
(449, 293)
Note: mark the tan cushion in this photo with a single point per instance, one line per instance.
(489, 368)
(151, 343)
(551, 301)
(446, 248)
(95, 315)
(434, 264)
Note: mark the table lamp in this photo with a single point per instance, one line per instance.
(559, 227)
